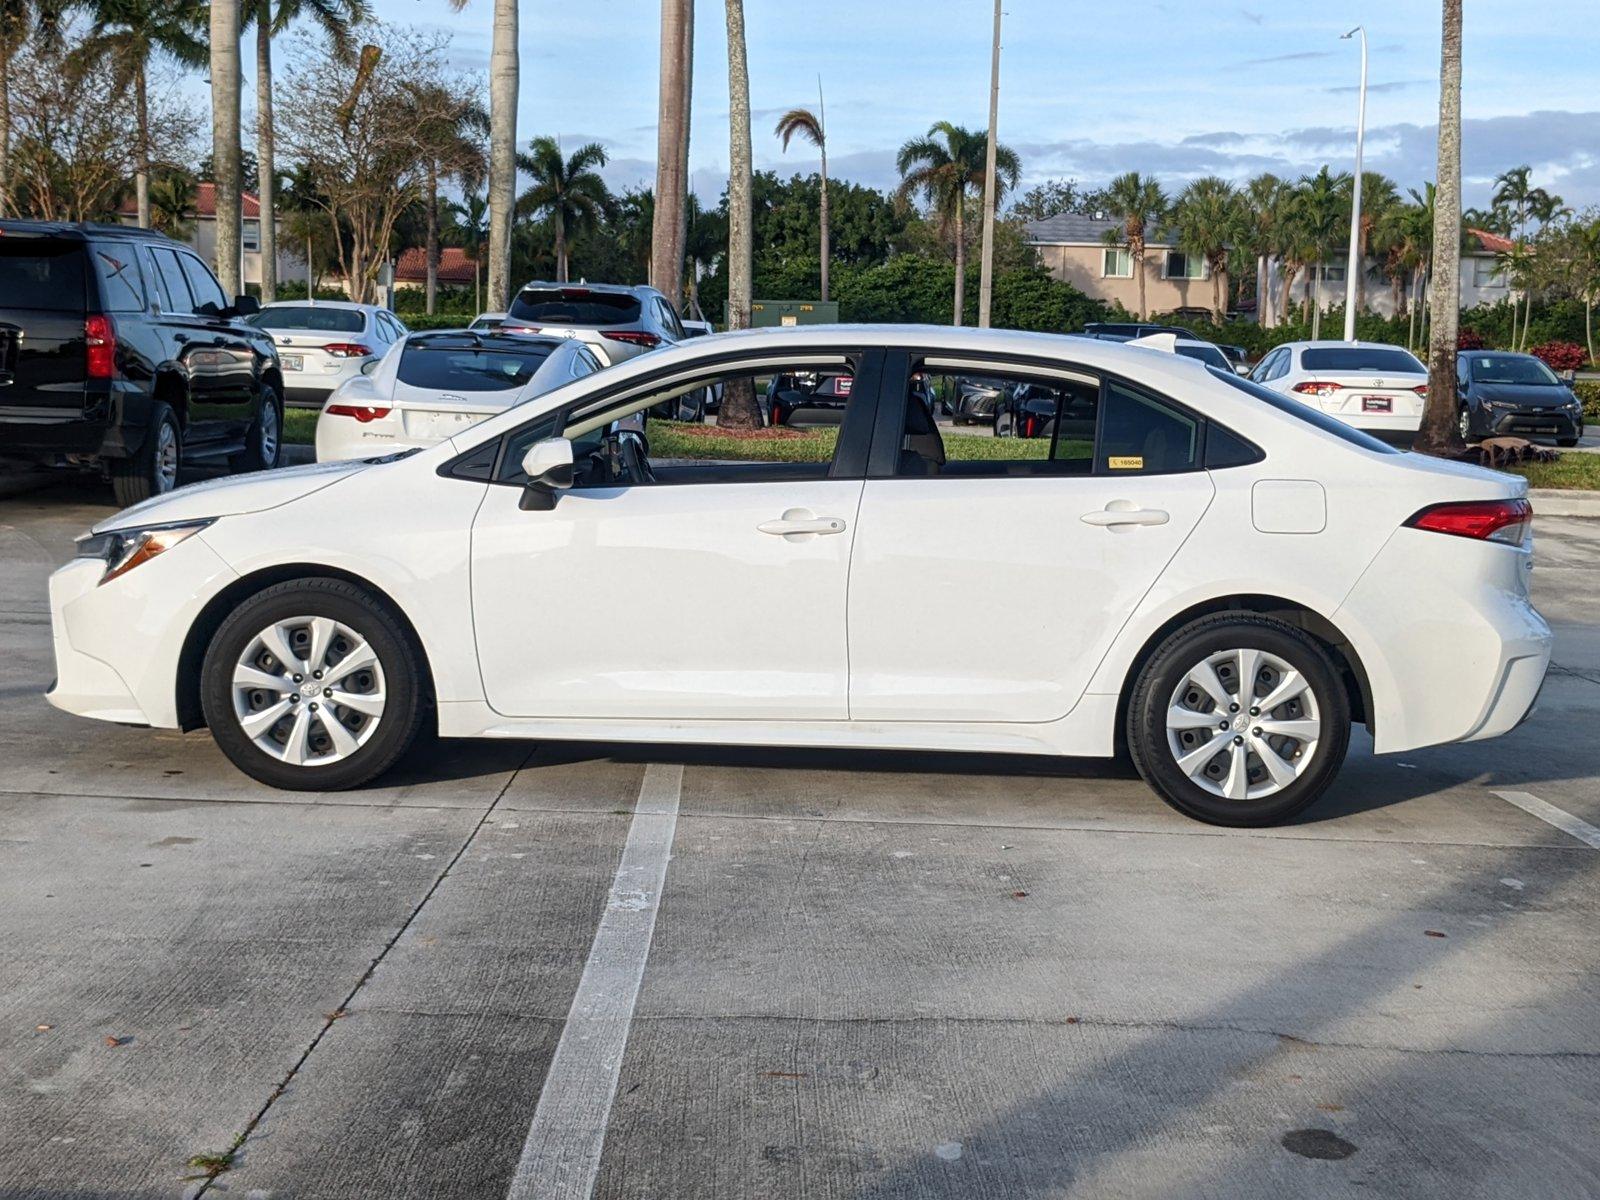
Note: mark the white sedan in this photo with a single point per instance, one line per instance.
(322, 345)
(1194, 566)
(435, 385)
(1369, 385)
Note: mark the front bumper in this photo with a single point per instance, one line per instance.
(1540, 422)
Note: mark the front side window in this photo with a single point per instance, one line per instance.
(208, 297)
(120, 282)
(173, 284)
(1117, 264)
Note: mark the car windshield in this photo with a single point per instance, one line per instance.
(574, 306)
(316, 317)
(40, 274)
(1304, 412)
(1511, 368)
(460, 365)
(1206, 354)
(1369, 360)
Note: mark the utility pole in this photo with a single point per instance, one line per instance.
(1352, 285)
(986, 264)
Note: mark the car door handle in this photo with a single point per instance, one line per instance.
(797, 524)
(1123, 512)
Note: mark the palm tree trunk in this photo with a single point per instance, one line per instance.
(824, 220)
(1316, 301)
(266, 156)
(1216, 295)
(1138, 268)
(503, 73)
(5, 128)
(1439, 433)
(225, 140)
(1588, 324)
(1355, 290)
(141, 152)
(561, 246)
(961, 256)
(669, 220)
(1263, 300)
(430, 250)
(738, 410)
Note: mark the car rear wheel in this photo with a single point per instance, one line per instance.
(153, 471)
(1239, 720)
(311, 685)
(264, 440)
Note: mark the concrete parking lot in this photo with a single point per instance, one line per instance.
(858, 975)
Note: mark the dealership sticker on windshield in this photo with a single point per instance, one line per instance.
(1126, 462)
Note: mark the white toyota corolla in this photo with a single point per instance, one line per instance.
(1205, 571)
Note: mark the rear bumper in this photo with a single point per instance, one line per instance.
(1396, 425)
(301, 395)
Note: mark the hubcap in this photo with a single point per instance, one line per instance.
(166, 457)
(309, 691)
(269, 433)
(1243, 724)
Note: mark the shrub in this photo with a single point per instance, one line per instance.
(1561, 356)
(1469, 339)
(1588, 390)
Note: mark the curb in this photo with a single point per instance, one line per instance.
(1564, 502)
(296, 455)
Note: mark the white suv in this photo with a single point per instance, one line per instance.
(618, 322)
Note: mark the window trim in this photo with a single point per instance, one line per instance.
(1125, 252)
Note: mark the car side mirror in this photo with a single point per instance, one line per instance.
(246, 306)
(548, 466)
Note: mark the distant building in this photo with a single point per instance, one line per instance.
(202, 233)
(1073, 247)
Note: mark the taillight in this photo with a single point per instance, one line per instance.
(348, 350)
(1421, 390)
(1316, 389)
(100, 335)
(1504, 521)
(635, 337)
(361, 412)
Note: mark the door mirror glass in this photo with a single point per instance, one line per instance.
(548, 466)
(246, 306)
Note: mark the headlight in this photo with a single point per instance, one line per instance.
(124, 549)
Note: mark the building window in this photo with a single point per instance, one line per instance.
(1184, 266)
(1332, 273)
(1488, 273)
(252, 235)
(1118, 263)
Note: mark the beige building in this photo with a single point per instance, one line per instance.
(202, 233)
(1073, 248)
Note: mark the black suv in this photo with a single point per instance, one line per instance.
(119, 351)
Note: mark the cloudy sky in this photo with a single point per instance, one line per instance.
(1175, 87)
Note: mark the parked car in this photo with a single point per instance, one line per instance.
(1238, 356)
(325, 344)
(1225, 578)
(1206, 352)
(120, 353)
(1369, 385)
(978, 399)
(808, 397)
(1035, 410)
(616, 322)
(1126, 331)
(487, 322)
(436, 385)
(1504, 393)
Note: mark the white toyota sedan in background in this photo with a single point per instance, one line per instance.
(1218, 577)
(435, 385)
(322, 345)
(1369, 385)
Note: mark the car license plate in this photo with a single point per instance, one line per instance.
(292, 362)
(1377, 404)
(841, 386)
(424, 424)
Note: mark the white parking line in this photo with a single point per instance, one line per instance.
(561, 1156)
(1551, 815)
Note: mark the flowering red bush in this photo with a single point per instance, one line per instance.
(1561, 356)
(1469, 339)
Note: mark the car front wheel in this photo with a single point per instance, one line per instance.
(1239, 720)
(311, 685)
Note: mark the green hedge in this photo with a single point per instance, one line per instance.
(1588, 391)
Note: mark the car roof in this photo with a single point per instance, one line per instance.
(83, 230)
(619, 289)
(1341, 344)
(1502, 353)
(345, 304)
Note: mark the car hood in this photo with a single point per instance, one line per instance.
(234, 494)
(1528, 395)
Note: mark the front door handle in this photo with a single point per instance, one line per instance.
(1126, 512)
(799, 524)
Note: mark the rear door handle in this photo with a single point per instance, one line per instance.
(799, 524)
(1123, 512)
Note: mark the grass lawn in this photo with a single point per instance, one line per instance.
(300, 426)
(1571, 470)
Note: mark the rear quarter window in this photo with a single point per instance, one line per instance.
(40, 274)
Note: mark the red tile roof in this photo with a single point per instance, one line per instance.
(454, 266)
(1493, 242)
(205, 203)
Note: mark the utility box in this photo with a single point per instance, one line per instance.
(766, 313)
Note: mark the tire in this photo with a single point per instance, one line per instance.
(1166, 685)
(353, 616)
(263, 441)
(153, 471)
(1567, 443)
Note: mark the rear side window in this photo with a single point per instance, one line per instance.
(120, 282)
(462, 367)
(1304, 412)
(1139, 433)
(1376, 360)
(310, 316)
(38, 273)
(574, 306)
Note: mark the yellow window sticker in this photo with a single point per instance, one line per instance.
(1126, 462)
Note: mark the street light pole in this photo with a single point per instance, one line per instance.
(986, 264)
(1351, 290)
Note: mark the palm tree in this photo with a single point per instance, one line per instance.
(171, 202)
(1207, 217)
(504, 73)
(1321, 212)
(469, 229)
(128, 34)
(705, 236)
(672, 147)
(449, 126)
(335, 17)
(1584, 269)
(1264, 198)
(1378, 197)
(943, 167)
(1439, 432)
(225, 149)
(809, 125)
(19, 20)
(567, 190)
(738, 410)
(1138, 202)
